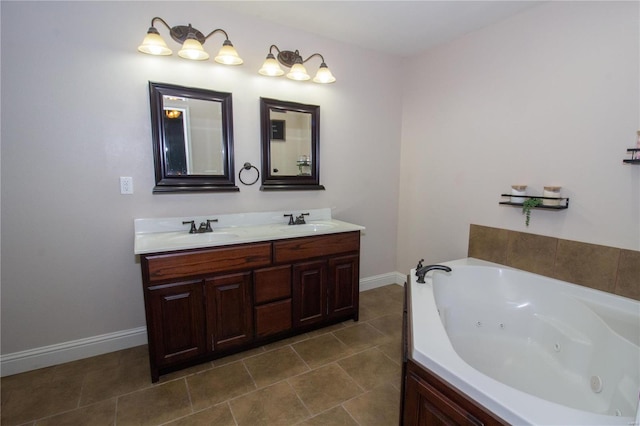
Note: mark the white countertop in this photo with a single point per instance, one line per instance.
(168, 234)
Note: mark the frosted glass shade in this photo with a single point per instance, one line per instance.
(153, 44)
(228, 55)
(298, 72)
(192, 49)
(324, 75)
(271, 67)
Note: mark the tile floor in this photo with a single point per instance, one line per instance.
(346, 374)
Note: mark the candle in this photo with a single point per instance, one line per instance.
(552, 192)
(518, 190)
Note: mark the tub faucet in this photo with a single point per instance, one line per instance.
(421, 271)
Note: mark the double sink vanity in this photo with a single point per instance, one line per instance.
(251, 280)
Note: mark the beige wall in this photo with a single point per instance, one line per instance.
(75, 117)
(546, 97)
(550, 96)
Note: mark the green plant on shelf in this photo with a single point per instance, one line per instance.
(527, 206)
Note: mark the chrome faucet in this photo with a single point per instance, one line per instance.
(421, 271)
(204, 226)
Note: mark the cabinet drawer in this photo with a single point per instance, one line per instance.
(318, 246)
(272, 284)
(273, 318)
(203, 262)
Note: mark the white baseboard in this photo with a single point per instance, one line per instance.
(382, 280)
(46, 356)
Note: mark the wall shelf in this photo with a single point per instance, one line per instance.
(562, 205)
(633, 152)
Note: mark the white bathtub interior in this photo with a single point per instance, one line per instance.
(545, 337)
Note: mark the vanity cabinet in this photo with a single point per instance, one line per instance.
(203, 304)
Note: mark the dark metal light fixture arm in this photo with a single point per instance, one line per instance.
(273, 46)
(157, 18)
(218, 30)
(315, 54)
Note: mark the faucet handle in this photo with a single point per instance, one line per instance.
(290, 216)
(193, 225)
(419, 264)
(300, 219)
(209, 228)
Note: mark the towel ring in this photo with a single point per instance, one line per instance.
(248, 166)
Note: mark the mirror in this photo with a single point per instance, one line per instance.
(192, 139)
(290, 145)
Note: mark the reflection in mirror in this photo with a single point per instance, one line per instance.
(290, 145)
(193, 139)
(193, 136)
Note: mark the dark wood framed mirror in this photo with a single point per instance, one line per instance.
(192, 139)
(290, 134)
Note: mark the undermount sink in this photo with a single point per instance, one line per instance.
(313, 227)
(209, 237)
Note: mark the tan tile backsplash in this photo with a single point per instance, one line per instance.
(604, 268)
(628, 274)
(589, 265)
(490, 243)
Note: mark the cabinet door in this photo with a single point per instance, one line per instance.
(176, 322)
(343, 285)
(426, 406)
(229, 312)
(309, 293)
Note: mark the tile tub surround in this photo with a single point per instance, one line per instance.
(346, 374)
(609, 269)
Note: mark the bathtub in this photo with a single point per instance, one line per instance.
(531, 349)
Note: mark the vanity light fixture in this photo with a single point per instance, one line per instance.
(172, 113)
(293, 60)
(191, 40)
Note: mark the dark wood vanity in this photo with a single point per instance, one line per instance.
(207, 303)
(427, 399)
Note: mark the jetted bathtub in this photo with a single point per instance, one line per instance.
(531, 349)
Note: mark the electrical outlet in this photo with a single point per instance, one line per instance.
(126, 185)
